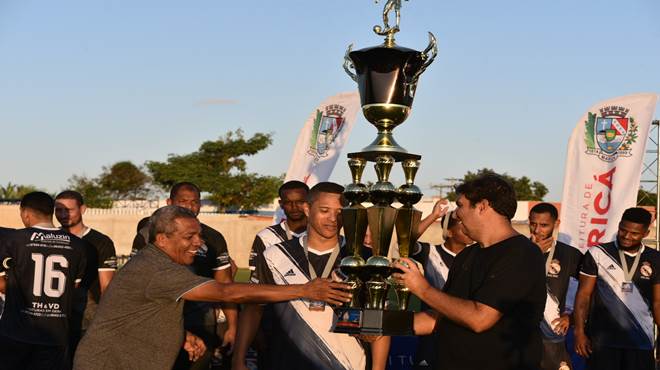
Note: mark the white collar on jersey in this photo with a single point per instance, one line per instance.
(629, 254)
(342, 242)
(45, 228)
(447, 250)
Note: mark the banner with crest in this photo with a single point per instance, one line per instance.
(603, 168)
(322, 139)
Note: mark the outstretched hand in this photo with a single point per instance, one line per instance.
(410, 276)
(194, 345)
(329, 291)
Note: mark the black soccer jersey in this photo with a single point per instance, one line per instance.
(606, 326)
(44, 266)
(105, 259)
(565, 264)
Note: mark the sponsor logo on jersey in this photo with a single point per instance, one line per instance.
(201, 251)
(646, 270)
(610, 135)
(554, 268)
(42, 236)
(611, 267)
(290, 273)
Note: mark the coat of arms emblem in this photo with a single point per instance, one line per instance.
(610, 135)
(325, 129)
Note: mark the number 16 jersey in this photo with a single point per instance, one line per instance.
(42, 266)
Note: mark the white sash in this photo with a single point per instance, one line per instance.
(550, 314)
(611, 273)
(438, 271)
(328, 347)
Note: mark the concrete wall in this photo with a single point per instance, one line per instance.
(120, 225)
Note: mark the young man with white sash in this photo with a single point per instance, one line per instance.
(302, 338)
(562, 267)
(614, 327)
(437, 260)
(253, 319)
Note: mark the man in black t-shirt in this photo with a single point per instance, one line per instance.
(561, 270)
(614, 326)
(494, 297)
(101, 261)
(211, 261)
(41, 265)
(253, 319)
(437, 261)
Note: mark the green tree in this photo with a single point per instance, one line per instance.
(124, 181)
(219, 168)
(525, 188)
(14, 191)
(94, 194)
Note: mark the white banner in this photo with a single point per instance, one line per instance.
(603, 168)
(322, 139)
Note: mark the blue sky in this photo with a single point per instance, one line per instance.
(84, 84)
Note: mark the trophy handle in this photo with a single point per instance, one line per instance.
(428, 55)
(349, 67)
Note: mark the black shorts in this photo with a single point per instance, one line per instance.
(606, 358)
(18, 355)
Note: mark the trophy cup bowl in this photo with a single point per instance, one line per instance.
(387, 77)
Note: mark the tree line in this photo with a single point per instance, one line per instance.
(219, 168)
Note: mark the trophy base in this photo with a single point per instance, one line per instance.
(373, 322)
(371, 155)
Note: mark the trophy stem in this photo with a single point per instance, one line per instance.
(355, 284)
(402, 297)
(376, 293)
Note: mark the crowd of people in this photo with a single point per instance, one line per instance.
(491, 297)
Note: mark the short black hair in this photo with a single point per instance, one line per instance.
(493, 188)
(637, 215)
(71, 194)
(39, 202)
(325, 187)
(290, 185)
(184, 185)
(544, 207)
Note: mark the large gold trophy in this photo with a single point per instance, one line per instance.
(387, 77)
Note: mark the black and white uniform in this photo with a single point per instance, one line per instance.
(301, 337)
(271, 235)
(620, 323)
(44, 264)
(562, 270)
